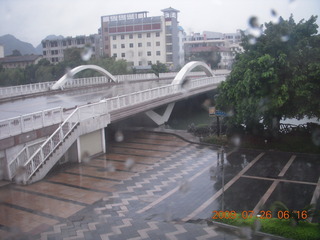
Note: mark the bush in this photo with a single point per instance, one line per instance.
(279, 227)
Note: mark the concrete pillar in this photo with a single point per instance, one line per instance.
(158, 119)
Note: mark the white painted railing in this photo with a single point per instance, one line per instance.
(101, 108)
(22, 157)
(45, 86)
(28, 122)
(25, 89)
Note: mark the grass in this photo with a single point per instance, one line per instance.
(280, 227)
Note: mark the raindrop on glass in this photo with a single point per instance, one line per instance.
(236, 141)
(86, 53)
(110, 167)
(119, 136)
(184, 187)
(252, 41)
(254, 28)
(85, 157)
(129, 164)
(20, 175)
(284, 38)
(274, 17)
(316, 137)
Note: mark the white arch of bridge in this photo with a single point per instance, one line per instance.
(63, 80)
(182, 74)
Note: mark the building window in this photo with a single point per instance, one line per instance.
(139, 35)
(148, 44)
(140, 54)
(140, 63)
(107, 47)
(148, 53)
(158, 53)
(44, 53)
(130, 36)
(149, 63)
(148, 35)
(139, 44)
(114, 46)
(123, 55)
(122, 46)
(157, 34)
(157, 44)
(115, 55)
(122, 36)
(114, 37)
(131, 45)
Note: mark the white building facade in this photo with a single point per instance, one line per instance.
(142, 40)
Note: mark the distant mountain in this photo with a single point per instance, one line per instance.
(50, 37)
(11, 43)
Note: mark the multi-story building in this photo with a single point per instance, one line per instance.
(142, 40)
(19, 61)
(214, 48)
(53, 49)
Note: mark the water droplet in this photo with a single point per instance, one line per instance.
(274, 17)
(253, 22)
(20, 175)
(85, 158)
(316, 137)
(256, 225)
(254, 28)
(86, 53)
(129, 164)
(184, 186)
(245, 232)
(235, 140)
(119, 136)
(284, 38)
(110, 167)
(252, 41)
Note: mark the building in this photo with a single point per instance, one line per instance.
(19, 61)
(214, 48)
(53, 49)
(142, 40)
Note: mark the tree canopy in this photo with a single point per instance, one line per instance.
(44, 71)
(277, 76)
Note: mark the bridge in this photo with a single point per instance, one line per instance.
(81, 130)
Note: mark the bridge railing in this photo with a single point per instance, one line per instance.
(98, 109)
(29, 122)
(24, 89)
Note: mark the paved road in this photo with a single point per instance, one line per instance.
(69, 99)
(155, 186)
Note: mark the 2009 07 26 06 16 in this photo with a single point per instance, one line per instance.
(261, 214)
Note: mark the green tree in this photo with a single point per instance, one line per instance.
(16, 53)
(277, 76)
(159, 68)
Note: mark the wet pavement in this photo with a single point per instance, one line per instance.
(156, 186)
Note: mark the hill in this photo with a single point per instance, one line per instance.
(11, 43)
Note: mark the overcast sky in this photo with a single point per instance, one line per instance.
(33, 20)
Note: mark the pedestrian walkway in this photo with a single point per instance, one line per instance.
(155, 186)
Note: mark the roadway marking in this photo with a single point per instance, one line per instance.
(281, 180)
(273, 186)
(218, 193)
(315, 197)
(168, 194)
